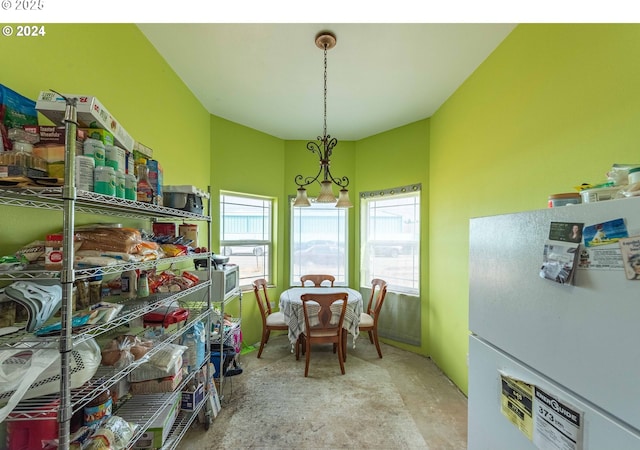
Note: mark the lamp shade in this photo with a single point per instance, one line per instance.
(301, 199)
(343, 199)
(326, 193)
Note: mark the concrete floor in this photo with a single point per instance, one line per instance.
(436, 405)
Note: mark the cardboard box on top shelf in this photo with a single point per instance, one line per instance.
(91, 114)
(52, 134)
(143, 150)
(105, 136)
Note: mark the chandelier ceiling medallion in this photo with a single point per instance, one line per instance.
(323, 148)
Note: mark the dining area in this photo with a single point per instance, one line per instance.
(319, 313)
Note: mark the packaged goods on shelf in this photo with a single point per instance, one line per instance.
(100, 134)
(52, 134)
(159, 429)
(194, 339)
(90, 113)
(191, 397)
(147, 371)
(24, 134)
(16, 110)
(142, 150)
(156, 178)
(157, 386)
(21, 164)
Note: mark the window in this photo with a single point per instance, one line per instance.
(319, 242)
(390, 238)
(246, 234)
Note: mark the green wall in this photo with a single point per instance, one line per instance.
(392, 159)
(250, 162)
(555, 105)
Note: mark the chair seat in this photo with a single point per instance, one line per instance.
(322, 333)
(365, 320)
(276, 319)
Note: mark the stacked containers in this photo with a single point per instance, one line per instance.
(111, 165)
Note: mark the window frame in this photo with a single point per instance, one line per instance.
(366, 274)
(268, 272)
(341, 279)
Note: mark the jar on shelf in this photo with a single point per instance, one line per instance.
(95, 148)
(53, 252)
(120, 184)
(130, 186)
(104, 180)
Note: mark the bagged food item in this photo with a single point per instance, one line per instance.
(125, 349)
(32, 252)
(16, 110)
(122, 240)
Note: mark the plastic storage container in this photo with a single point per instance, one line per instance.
(95, 148)
(570, 198)
(634, 175)
(104, 180)
(599, 194)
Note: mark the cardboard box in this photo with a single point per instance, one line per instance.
(91, 114)
(156, 177)
(159, 429)
(51, 134)
(144, 151)
(192, 399)
(157, 386)
(105, 136)
(50, 153)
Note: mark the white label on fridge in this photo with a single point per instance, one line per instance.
(557, 425)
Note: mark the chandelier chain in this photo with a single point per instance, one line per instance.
(325, 91)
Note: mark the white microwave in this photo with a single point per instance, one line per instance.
(225, 283)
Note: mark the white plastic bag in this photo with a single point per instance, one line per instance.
(32, 372)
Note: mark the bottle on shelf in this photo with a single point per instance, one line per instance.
(143, 285)
(129, 283)
(144, 189)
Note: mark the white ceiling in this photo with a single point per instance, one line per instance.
(269, 77)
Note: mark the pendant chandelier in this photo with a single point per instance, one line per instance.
(323, 148)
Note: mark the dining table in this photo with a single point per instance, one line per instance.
(291, 307)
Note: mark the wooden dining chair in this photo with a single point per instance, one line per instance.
(323, 318)
(369, 319)
(270, 320)
(317, 279)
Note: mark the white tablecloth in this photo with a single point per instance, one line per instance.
(291, 307)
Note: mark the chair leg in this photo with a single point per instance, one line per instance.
(265, 337)
(375, 338)
(371, 336)
(341, 355)
(308, 357)
(345, 337)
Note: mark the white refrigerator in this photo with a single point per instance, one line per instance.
(553, 365)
